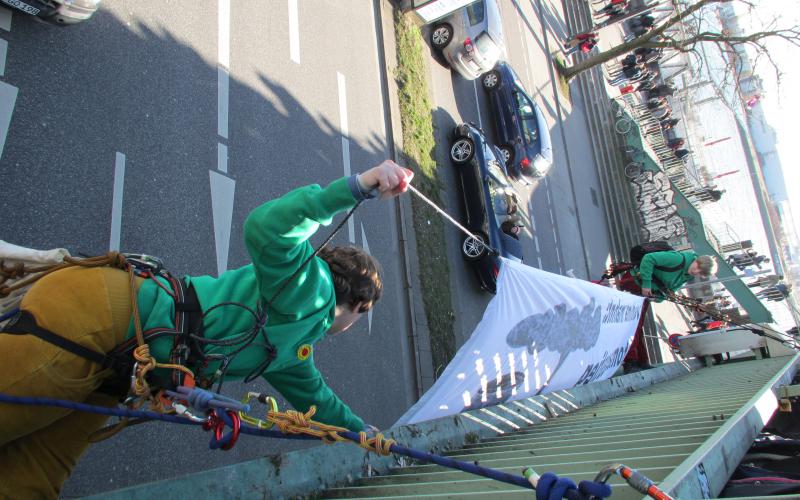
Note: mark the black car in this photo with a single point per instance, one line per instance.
(522, 133)
(490, 203)
(59, 12)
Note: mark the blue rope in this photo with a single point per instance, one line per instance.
(244, 429)
(9, 314)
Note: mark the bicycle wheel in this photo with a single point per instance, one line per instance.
(633, 170)
(623, 126)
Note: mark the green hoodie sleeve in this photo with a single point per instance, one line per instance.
(649, 261)
(302, 386)
(276, 236)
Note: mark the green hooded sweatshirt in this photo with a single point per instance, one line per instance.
(648, 271)
(276, 236)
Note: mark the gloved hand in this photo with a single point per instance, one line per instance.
(552, 487)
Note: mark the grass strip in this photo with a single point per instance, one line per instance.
(419, 150)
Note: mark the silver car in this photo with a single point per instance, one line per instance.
(471, 39)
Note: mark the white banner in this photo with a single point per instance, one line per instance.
(541, 333)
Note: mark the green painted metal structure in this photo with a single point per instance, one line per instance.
(699, 238)
(669, 432)
(669, 422)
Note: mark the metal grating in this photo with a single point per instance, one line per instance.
(658, 430)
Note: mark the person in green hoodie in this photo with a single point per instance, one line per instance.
(659, 273)
(669, 271)
(289, 298)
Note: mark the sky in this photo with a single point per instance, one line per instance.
(781, 104)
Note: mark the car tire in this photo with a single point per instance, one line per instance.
(441, 35)
(472, 250)
(462, 150)
(491, 80)
(508, 154)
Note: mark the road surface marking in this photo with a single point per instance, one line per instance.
(222, 186)
(3, 54)
(116, 202)
(8, 98)
(351, 229)
(222, 191)
(294, 32)
(5, 18)
(222, 157)
(553, 223)
(223, 67)
(224, 41)
(534, 232)
(475, 89)
(365, 246)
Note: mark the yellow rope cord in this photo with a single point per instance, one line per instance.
(295, 422)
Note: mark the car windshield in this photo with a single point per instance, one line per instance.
(476, 12)
(486, 47)
(498, 177)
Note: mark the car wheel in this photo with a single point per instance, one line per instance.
(441, 35)
(462, 150)
(474, 248)
(491, 80)
(508, 154)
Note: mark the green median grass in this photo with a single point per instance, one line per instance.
(419, 153)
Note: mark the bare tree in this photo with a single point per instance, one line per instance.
(668, 37)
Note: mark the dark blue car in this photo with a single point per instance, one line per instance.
(490, 204)
(522, 134)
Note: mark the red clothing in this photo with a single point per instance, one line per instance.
(587, 46)
(637, 352)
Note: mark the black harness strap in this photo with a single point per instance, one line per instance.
(25, 324)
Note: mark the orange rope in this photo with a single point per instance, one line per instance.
(295, 422)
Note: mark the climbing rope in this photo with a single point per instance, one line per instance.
(296, 425)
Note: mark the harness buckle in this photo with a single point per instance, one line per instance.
(145, 264)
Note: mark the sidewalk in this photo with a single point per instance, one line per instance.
(623, 221)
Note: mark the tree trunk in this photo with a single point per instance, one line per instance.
(570, 72)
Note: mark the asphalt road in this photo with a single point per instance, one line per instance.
(157, 126)
(567, 230)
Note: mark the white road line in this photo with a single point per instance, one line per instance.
(222, 157)
(5, 18)
(223, 80)
(535, 234)
(116, 202)
(223, 66)
(294, 32)
(8, 98)
(222, 192)
(553, 222)
(224, 33)
(365, 246)
(351, 229)
(475, 89)
(3, 54)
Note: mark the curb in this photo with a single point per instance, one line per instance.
(417, 331)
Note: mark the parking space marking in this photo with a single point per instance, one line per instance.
(535, 232)
(477, 106)
(116, 202)
(294, 32)
(8, 99)
(5, 18)
(365, 246)
(553, 225)
(3, 54)
(341, 83)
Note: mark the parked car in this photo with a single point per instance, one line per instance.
(471, 39)
(59, 12)
(522, 133)
(489, 201)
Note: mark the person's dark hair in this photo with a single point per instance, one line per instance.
(356, 276)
